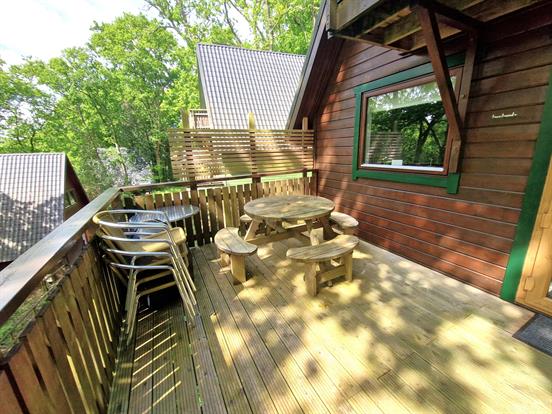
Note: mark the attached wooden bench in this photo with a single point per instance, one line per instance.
(344, 223)
(233, 249)
(321, 255)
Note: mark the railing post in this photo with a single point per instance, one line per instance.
(314, 182)
(187, 141)
(304, 128)
(252, 143)
(256, 188)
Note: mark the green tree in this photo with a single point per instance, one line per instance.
(24, 108)
(118, 94)
(279, 25)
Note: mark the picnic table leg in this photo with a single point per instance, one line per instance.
(252, 230)
(313, 237)
(328, 231)
(275, 225)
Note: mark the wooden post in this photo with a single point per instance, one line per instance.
(430, 29)
(314, 182)
(252, 144)
(256, 188)
(464, 94)
(467, 73)
(185, 119)
(187, 141)
(331, 21)
(304, 129)
(251, 120)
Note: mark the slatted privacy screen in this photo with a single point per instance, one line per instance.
(221, 206)
(65, 360)
(209, 153)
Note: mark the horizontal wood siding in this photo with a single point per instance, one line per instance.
(198, 154)
(468, 235)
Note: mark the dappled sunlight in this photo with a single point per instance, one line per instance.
(397, 338)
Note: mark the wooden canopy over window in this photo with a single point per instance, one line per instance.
(395, 24)
(410, 25)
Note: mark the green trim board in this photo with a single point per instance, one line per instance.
(450, 181)
(531, 202)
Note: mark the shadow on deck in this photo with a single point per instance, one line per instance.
(399, 338)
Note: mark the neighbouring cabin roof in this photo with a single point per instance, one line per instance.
(236, 81)
(32, 188)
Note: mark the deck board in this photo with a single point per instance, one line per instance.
(398, 338)
(184, 373)
(163, 395)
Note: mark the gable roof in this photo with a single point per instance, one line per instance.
(31, 199)
(235, 81)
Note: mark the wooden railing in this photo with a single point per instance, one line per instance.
(210, 153)
(220, 206)
(63, 359)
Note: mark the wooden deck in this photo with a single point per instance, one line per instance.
(399, 338)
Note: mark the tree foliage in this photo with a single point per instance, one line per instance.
(113, 99)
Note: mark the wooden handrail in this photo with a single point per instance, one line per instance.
(25, 273)
(146, 187)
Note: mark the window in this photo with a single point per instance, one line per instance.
(403, 127)
(385, 137)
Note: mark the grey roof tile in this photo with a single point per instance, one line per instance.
(31, 200)
(236, 81)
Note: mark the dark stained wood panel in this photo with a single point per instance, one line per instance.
(466, 235)
(505, 100)
(500, 133)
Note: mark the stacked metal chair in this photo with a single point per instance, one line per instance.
(148, 257)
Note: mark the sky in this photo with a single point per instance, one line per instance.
(43, 28)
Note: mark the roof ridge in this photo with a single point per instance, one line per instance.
(250, 50)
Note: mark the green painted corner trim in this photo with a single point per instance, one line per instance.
(450, 181)
(531, 201)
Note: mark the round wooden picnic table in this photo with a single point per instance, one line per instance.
(277, 209)
(289, 208)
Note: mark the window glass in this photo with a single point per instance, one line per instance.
(406, 129)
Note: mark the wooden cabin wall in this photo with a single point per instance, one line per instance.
(468, 235)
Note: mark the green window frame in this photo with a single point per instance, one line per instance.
(449, 181)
